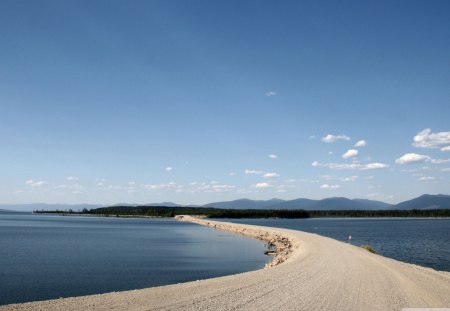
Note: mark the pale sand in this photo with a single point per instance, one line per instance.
(318, 273)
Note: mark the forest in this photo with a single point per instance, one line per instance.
(164, 211)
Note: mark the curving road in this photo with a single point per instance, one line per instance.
(319, 273)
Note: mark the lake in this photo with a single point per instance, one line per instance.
(46, 257)
(424, 242)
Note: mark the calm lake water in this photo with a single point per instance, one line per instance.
(424, 242)
(45, 257)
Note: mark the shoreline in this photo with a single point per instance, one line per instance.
(284, 246)
(311, 272)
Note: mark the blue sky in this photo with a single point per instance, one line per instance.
(202, 101)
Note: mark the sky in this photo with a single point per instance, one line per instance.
(201, 101)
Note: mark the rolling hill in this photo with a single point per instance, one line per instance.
(426, 201)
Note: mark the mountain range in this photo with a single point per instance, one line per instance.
(425, 201)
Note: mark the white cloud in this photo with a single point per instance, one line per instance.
(312, 137)
(327, 186)
(273, 156)
(333, 138)
(271, 93)
(163, 186)
(232, 174)
(262, 185)
(214, 186)
(253, 172)
(353, 166)
(349, 179)
(412, 158)
(36, 184)
(440, 161)
(271, 175)
(71, 178)
(374, 166)
(361, 143)
(169, 168)
(427, 178)
(350, 154)
(446, 169)
(131, 183)
(427, 139)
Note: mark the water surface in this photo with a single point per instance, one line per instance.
(45, 257)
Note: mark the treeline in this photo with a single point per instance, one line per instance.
(164, 211)
(382, 213)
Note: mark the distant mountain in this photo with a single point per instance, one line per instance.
(373, 204)
(245, 204)
(306, 204)
(347, 204)
(46, 207)
(426, 201)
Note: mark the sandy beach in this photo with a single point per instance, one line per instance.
(308, 272)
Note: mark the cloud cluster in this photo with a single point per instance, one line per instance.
(271, 175)
(350, 154)
(271, 93)
(327, 186)
(262, 185)
(261, 173)
(214, 186)
(427, 139)
(333, 138)
(353, 166)
(164, 186)
(349, 179)
(361, 143)
(410, 158)
(36, 184)
(273, 156)
(440, 161)
(427, 178)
